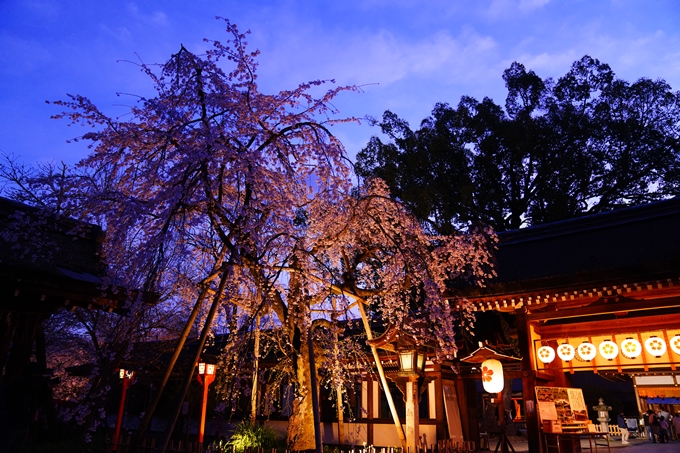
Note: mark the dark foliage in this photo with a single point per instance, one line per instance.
(584, 143)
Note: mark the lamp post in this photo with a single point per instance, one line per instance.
(126, 376)
(206, 375)
(411, 366)
(493, 381)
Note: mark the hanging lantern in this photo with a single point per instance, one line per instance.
(566, 352)
(675, 344)
(546, 354)
(608, 349)
(655, 346)
(586, 351)
(492, 376)
(631, 348)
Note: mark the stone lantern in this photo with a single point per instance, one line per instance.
(603, 415)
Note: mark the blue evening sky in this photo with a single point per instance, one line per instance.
(408, 54)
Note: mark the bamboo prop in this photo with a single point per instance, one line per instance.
(383, 379)
(190, 373)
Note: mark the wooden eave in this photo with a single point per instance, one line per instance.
(631, 296)
(622, 260)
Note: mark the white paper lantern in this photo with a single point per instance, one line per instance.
(655, 346)
(566, 352)
(631, 348)
(675, 344)
(608, 349)
(586, 351)
(546, 354)
(492, 376)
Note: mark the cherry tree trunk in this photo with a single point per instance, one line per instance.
(301, 423)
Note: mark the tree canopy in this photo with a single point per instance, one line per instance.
(585, 143)
(213, 190)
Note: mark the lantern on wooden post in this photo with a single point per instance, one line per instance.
(411, 366)
(411, 361)
(410, 378)
(206, 375)
(493, 381)
(126, 376)
(492, 376)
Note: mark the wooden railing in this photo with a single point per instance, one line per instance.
(149, 446)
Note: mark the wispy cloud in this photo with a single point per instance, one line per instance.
(384, 57)
(121, 34)
(155, 18)
(528, 5)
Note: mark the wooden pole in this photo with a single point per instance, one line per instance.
(315, 391)
(144, 423)
(383, 379)
(190, 372)
(256, 367)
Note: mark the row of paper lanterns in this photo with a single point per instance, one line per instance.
(630, 348)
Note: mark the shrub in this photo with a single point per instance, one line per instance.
(248, 435)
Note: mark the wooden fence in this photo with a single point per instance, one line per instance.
(149, 446)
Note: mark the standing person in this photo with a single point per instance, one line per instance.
(652, 423)
(663, 429)
(676, 425)
(623, 426)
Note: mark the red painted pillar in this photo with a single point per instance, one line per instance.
(205, 380)
(127, 377)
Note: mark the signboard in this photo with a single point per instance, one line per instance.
(562, 404)
(452, 412)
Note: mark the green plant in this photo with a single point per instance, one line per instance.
(248, 435)
(220, 446)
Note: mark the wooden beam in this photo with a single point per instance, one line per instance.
(630, 323)
(609, 305)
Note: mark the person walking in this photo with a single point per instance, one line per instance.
(623, 426)
(676, 425)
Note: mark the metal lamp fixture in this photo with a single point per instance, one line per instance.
(411, 361)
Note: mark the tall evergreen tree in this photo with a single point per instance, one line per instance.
(584, 143)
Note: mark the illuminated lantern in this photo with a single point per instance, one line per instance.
(675, 344)
(586, 351)
(546, 354)
(492, 376)
(608, 349)
(655, 346)
(566, 352)
(631, 348)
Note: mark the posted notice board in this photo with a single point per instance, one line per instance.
(562, 404)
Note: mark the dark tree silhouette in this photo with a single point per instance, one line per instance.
(584, 143)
